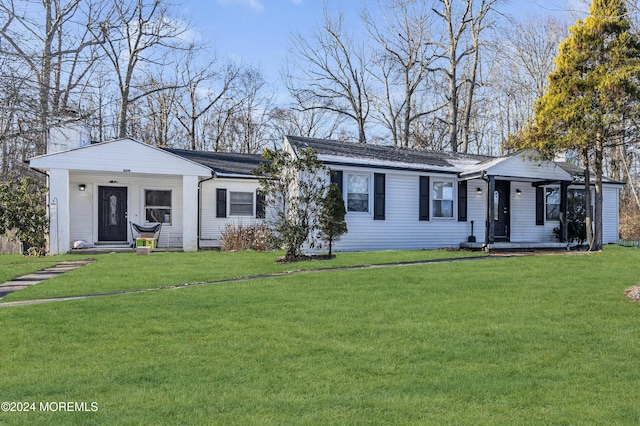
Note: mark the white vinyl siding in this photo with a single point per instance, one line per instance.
(402, 228)
(610, 214)
(84, 206)
(211, 227)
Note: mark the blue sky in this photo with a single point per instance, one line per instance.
(257, 31)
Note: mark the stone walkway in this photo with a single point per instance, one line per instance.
(39, 276)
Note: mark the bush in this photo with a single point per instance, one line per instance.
(629, 219)
(23, 214)
(237, 237)
(293, 202)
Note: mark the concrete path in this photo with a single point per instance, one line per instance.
(39, 276)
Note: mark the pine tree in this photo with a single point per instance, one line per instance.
(593, 94)
(332, 224)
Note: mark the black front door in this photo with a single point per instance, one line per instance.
(112, 213)
(501, 209)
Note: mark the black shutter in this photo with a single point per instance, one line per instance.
(260, 210)
(424, 197)
(221, 202)
(462, 201)
(378, 196)
(540, 205)
(336, 177)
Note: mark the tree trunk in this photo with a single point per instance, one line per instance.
(472, 87)
(598, 237)
(453, 107)
(587, 194)
(45, 79)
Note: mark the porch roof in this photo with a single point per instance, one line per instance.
(120, 155)
(522, 166)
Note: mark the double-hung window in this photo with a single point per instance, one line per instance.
(157, 206)
(552, 200)
(358, 192)
(240, 203)
(442, 199)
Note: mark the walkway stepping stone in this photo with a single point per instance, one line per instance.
(39, 276)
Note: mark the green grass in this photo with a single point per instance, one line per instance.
(529, 340)
(127, 271)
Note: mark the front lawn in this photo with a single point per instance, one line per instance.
(523, 340)
(127, 271)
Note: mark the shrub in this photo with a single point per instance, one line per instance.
(629, 219)
(23, 214)
(332, 212)
(294, 203)
(239, 236)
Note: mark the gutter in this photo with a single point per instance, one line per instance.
(213, 176)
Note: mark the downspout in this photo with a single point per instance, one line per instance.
(213, 176)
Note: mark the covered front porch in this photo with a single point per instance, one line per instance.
(525, 202)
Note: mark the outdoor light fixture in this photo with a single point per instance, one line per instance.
(479, 191)
(518, 192)
(82, 187)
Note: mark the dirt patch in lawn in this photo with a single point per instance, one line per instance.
(633, 293)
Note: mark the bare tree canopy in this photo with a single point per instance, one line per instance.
(332, 72)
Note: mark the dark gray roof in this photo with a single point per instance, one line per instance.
(222, 163)
(358, 152)
(578, 173)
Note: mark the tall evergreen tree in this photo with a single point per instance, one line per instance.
(593, 95)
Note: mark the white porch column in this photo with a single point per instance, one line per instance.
(59, 239)
(190, 213)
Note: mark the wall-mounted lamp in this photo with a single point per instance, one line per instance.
(479, 191)
(518, 192)
(82, 187)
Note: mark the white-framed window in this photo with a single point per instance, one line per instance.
(358, 189)
(157, 206)
(240, 203)
(552, 203)
(442, 199)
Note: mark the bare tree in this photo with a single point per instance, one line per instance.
(315, 123)
(524, 54)
(461, 45)
(140, 33)
(160, 106)
(332, 73)
(249, 120)
(455, 26)
(205, 87)
(404, 62)
(55, 42)
(478, 24)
